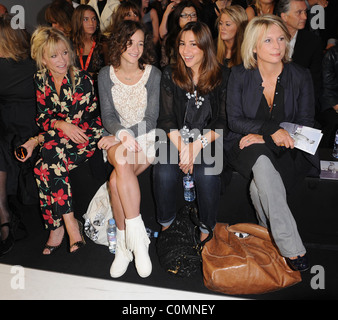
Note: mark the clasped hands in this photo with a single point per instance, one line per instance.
(188, 153)
(281, 138)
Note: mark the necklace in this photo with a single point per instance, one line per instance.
(129, 77)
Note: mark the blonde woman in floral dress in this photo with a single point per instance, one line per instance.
(68, 117)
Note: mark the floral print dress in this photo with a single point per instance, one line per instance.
(76, 104)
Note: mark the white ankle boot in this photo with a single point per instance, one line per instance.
(138, 242)
(123, 256)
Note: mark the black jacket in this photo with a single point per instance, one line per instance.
(329, 92)
(244, 96)
(308, 53)
(173, 104)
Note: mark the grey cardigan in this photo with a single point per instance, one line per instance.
(110, 116)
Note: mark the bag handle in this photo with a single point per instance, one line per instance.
(250, 228)
(193, 216)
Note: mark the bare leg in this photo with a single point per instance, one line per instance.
(72, 228)
(115, 202)
(132, 239)
(124, 187)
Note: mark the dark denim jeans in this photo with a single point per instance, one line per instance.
(166, 178)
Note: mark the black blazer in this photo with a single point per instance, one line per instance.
(308, 53)
(244, 96)
(173, 104)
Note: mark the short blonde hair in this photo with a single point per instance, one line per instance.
(257, 28)
(47, 38)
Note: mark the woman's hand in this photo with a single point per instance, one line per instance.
(129, 142)
(250, 139)
(29, 145)
(282, 139)
(107, 142)
(72, 131)
(188, 155)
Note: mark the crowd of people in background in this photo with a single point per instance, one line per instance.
(87, 80)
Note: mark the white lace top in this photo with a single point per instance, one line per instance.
(131, 102)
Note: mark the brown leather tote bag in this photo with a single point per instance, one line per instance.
(242, 259)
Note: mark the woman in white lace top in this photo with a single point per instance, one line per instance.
(129, 95)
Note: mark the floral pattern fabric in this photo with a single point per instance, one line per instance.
(76, 104)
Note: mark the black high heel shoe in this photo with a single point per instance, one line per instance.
(7, 244)
(52, 249)
(78, 244)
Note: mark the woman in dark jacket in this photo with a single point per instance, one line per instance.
(17, 116)
(192, 116)
(264, 92)
(329, 97)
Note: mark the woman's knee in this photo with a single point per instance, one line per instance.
(263, 167)
(265, 174)
(123, 169)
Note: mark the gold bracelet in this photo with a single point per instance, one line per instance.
(36, 139)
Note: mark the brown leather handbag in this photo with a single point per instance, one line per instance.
(242, 259)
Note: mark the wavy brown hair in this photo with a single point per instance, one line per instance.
(210, 70)
(118, 43)
(14, 43)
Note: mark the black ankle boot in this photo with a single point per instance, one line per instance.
(7, 244)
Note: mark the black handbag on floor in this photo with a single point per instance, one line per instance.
(179, 247)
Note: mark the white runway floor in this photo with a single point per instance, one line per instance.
(18, 283)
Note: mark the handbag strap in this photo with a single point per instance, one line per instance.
(250, 228)
(193, 216)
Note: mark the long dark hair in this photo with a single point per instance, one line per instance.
(210, 70)
(175, 24)
(78, 34)
(118, 43)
